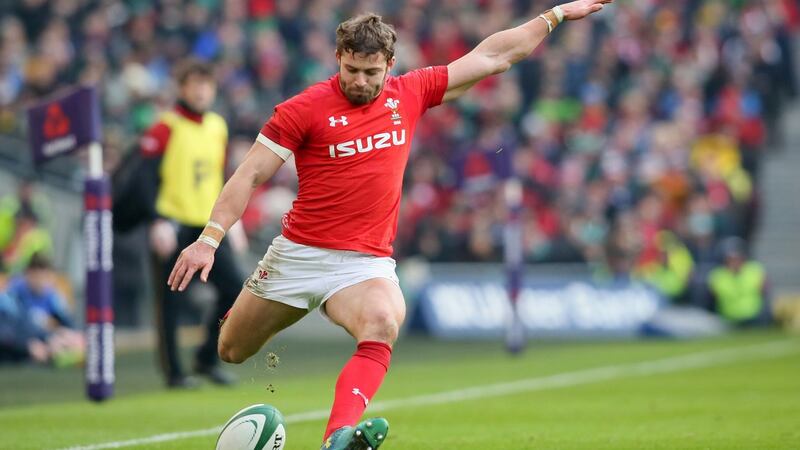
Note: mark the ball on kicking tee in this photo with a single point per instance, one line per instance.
(257, 427)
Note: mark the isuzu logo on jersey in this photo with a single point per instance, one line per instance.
(392, 104)
(364, 145)
(334, 121)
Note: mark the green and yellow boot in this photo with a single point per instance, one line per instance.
(367, 435)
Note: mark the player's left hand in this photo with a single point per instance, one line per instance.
(582, 8)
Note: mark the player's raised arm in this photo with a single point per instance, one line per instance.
(499, 51)
(259, 165)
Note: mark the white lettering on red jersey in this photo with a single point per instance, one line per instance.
(350, 158)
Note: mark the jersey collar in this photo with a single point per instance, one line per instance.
(186, 112)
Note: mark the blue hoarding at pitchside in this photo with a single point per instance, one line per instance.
(462, 309)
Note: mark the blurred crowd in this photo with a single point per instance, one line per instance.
(637, 135)
(36, 321)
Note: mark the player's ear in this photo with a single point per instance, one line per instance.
(390, 64)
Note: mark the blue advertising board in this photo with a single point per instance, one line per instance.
(576, 308)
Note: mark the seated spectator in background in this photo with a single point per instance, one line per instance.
(18, 342)
(670, 270)
(28, 238)
(621, 250)
(662, 100)
(698, 231)
(729, 188)
(739, 286)
(41, 316)
(22, 233)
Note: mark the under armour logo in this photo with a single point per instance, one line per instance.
(342, 121)
(356, 391)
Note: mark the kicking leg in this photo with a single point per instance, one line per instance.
(251, 322)
(372, 312)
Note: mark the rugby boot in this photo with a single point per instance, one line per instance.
(367, 435)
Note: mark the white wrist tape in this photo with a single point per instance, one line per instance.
(213, 224)
(559, 13)
(548, 22)
(208, 240)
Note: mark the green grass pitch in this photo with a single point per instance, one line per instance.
(737, 392)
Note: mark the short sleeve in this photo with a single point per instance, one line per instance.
(154, 142)
(429, 83)
(285, 132)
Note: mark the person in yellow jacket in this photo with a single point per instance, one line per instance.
(23, 231)
(739, 286)
(671, 272)
(183, 169)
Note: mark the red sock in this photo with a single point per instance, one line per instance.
(358, 382)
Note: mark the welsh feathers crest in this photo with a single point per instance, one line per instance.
(392, 104)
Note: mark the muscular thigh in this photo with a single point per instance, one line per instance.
(254, 320)
(364, 308)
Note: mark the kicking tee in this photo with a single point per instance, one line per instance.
(350, 158)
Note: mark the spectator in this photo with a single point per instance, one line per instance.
(739, 286)
(677, 99)
(18, 341)
(697, 230)
(33, 308)
(670, 269)
(22, 233)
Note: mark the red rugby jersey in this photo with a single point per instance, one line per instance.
(350, 158)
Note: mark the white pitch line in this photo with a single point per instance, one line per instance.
(605, 373)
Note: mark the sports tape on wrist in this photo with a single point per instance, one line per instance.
(214, 231)
(208, 240)
(213, 224)
(548, 22)
(559, 13)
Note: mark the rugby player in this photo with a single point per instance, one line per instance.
(350, 136)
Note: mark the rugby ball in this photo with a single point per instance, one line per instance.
(257, 427)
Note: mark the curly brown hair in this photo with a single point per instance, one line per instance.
(192, 66)
(366, 33)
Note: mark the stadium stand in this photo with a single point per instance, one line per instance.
(641, 136)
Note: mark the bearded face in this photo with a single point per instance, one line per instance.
(361, 76)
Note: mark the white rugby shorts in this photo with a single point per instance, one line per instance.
(306, 277)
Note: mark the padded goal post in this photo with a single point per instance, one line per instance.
(57, 127)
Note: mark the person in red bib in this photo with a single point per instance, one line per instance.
(181, 175)
(350, 137)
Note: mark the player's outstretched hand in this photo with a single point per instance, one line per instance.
(582, 8)
(198, 256)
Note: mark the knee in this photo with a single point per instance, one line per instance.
(230, 353)
(380, 325)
